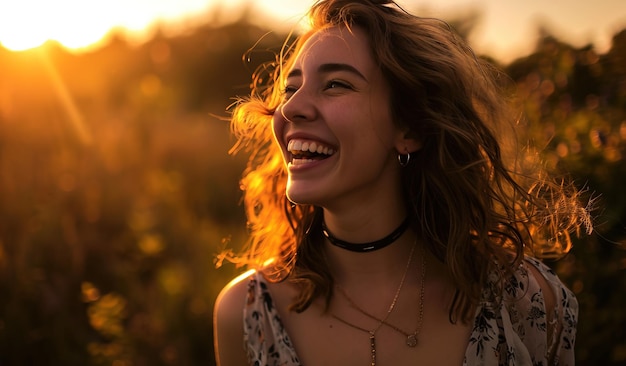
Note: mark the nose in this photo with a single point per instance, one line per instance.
(300, 107)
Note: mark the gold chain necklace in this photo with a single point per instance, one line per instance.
(411, 338)
(382, 321)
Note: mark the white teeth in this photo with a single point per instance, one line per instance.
(301, 161)
(295, 146)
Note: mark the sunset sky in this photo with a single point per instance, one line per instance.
(507, 29)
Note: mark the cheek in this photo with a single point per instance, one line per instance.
(382, 116)
(278, 126)
(382, 127)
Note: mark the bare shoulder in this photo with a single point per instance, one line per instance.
(231, 299)
(228, 322)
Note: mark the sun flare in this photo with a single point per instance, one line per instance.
(78, 24)
(29, 23)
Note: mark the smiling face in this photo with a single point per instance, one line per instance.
(334, 127)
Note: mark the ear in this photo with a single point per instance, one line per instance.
(407, 144)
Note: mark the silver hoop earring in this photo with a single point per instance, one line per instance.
(404, 159)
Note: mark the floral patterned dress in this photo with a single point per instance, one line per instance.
(512, 333)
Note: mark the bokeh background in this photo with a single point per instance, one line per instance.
(117, 191)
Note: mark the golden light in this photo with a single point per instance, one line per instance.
(29, 23)
(14, 26)
(78, 24)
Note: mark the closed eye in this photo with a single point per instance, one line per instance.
(289, 90)
(333, 84)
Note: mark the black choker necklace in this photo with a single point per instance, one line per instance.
(366, 247)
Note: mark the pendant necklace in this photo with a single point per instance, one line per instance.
(366, 247)
(411, 338)
(382, 321)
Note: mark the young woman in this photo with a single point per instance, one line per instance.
(388, 226)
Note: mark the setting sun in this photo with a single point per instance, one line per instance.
(28, 24)
(78, 24)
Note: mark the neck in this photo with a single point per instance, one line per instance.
(379, 266)
(361, 227)
(365, 247)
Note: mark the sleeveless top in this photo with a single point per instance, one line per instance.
(513, 333)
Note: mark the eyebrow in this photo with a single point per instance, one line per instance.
(330, 67)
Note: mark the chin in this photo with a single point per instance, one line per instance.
(301, 198)
(303, 195)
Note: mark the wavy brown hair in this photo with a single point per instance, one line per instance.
(476, 208)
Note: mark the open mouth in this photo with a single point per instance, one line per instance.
(305, 151)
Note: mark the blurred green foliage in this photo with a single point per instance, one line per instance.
(117, 192)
